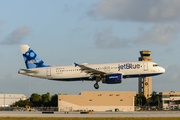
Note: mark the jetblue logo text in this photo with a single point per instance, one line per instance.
(128, 66)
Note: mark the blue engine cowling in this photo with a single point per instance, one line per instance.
(113, 78)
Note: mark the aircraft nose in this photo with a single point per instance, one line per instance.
(163, 70)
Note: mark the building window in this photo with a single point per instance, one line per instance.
(176, 95)
(99, 94)
(110, 94)
(59, 99)
(118, 95)
(90, 99)
(166, 101)
(121, 99)
(165, 96)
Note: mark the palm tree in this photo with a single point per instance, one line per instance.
(155, 99)
(136, 99)
(140, 99)
(178, 102)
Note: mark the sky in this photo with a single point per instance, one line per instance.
(88, 31)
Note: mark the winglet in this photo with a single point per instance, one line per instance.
(76, 64)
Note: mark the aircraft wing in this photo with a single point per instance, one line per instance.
(91, 71)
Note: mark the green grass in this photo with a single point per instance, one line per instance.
(92, 118)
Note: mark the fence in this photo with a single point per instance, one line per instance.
(147, 108)
(29, 109)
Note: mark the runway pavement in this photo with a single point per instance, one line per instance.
(94, 114)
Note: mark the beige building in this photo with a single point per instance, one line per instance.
(169, 99)
(145, 84)
(98, 101)
(9, 99)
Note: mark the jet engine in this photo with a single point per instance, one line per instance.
(113, 78)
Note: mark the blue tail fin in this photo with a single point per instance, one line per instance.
(31, 59)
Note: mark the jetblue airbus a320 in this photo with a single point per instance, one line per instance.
(109, 73)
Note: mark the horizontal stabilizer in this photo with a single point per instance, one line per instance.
(29, 71)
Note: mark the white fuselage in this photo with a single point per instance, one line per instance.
(72, 73)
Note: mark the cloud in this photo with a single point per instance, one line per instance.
(105, 39)
(16, 36)
(172, 72)
(77, 29)
(137, 10)
(2, 77)
(163, 13)
(80, 5)
(10, 77)
(1, 23)
(65, 8)
(160, 34)
(169, 81)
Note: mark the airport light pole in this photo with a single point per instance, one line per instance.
(4, 101)
(29, 88)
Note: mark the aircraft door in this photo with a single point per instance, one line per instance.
(48, 71)
(106, 68)
(145, 66)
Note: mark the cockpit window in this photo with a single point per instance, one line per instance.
(155, 65)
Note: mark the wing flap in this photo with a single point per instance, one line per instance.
(89, 70)
(92, 72)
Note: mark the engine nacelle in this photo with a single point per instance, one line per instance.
(113, 78)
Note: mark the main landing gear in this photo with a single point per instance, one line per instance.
(96, 86)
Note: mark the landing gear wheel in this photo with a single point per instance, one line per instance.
(96, 86)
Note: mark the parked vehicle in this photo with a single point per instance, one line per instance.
(137, 108)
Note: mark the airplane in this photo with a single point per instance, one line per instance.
(109, 73)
